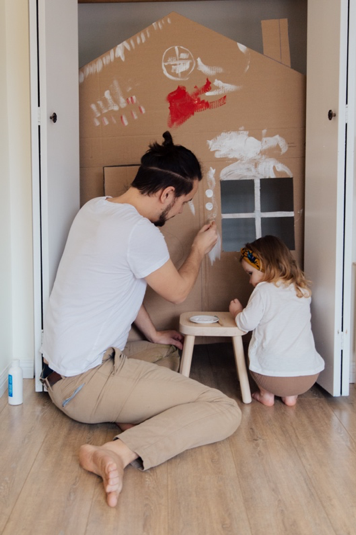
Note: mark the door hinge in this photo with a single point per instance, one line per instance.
(346, 114)
(342, 340)
(38, 115)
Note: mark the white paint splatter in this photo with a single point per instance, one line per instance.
(119, 51)
(111, 104)
(95, 110)
(246, 52)
(216, 250)
(241, 47)
(191, 206)
(275, 141)
(101, 106)
(212, 206)
(222, 88)
(211, 178)
(209, 71)
(113, 100)
(177, 63)
(252, 162)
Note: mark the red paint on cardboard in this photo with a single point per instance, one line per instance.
(183, 105)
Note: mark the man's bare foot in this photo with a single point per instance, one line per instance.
(108, 462)
(264, 397)
(290, 401)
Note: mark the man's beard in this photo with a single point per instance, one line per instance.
(163, 217)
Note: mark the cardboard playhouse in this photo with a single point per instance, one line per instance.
(242, 113)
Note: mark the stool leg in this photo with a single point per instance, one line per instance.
(187, 355)
(241, 369)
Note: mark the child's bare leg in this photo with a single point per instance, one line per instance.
(108, 462)
(264, 397)
(290, 401)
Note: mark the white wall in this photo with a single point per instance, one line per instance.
(5, 242)
(16, 275)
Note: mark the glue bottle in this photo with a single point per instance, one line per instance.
(15, 384)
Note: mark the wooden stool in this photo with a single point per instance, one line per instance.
(225, 327)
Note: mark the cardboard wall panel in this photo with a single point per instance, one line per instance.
(240, 112)
(275, 40)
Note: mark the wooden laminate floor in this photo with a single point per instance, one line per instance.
(285, 471)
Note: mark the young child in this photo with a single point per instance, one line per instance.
(282, 354)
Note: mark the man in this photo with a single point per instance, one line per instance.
(114, 250)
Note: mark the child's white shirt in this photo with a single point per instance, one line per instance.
(282, 343)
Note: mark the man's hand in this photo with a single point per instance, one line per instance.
(175, 285)
(235, 307)
(206, 238)
(173, 338)
(144, 323)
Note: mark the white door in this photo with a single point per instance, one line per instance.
(329, 184)
(55, 133)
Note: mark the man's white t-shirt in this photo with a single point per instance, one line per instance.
(282, 342)
(100, 286)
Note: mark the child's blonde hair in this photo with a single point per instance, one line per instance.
(278, 263)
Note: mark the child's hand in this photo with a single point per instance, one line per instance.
(235, 307)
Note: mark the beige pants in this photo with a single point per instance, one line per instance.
(175, 413)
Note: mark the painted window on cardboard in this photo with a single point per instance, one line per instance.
(251, 208)
(256, 188)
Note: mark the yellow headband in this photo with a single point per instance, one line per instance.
(250, 258)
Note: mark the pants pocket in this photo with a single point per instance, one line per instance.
(68, 400)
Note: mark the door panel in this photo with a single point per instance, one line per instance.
(58, 142)
(325, 183)
(58, 38)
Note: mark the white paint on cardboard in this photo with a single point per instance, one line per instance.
(177, 63)
(206, 69)
(211, 208)
(209, 193)
(191, 206)
(250, 153)
(216, 250)
(119, 51)
(222, 88)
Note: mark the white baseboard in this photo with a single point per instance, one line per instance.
(27, 370)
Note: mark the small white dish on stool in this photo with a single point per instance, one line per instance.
(204, 319)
